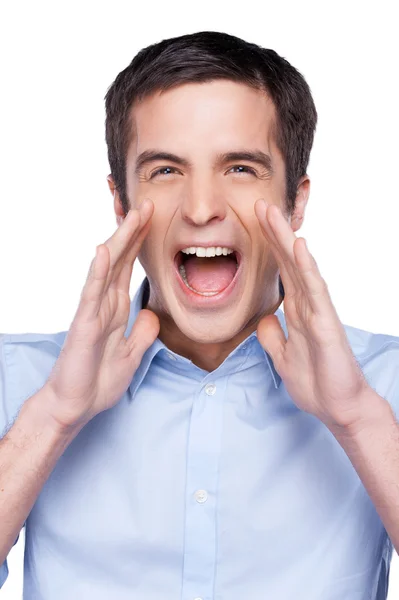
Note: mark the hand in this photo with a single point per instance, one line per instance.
(96, 363)
(316, 362)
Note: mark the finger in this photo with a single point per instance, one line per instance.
(123, 279)
(287, 274)
(93, 290)
(121, 239)
(136, 242)
(284, 238)
(314, 285)
(132, 243)
(100, 274)
(300, 263)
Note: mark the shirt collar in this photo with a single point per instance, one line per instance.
(140, 299)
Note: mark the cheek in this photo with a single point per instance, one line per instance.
(244, 211)
(249, 188)
(242, 201)
(165, 199)
(152, 248)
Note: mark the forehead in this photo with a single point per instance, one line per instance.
(220, 114)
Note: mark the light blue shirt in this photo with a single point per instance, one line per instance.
(201, 485)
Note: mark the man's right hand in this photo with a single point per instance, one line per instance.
(96, 363)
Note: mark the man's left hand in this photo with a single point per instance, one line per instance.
(315, 362)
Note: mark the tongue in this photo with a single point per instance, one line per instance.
(210, 274)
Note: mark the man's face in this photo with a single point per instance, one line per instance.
(207, 201)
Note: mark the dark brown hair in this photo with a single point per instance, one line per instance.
(206, 56)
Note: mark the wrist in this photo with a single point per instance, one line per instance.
(66, 415)
(39, 412)
(373, 410)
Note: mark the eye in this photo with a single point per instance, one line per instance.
(159, 171)
(248, 169)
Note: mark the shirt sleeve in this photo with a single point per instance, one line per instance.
(4, 426)
(3, 573)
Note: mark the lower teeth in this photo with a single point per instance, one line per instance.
(184, 277)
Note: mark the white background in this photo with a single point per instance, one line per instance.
(57, 61)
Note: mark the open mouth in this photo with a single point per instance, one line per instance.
(208, 275)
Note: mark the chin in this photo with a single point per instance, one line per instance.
(208, 329)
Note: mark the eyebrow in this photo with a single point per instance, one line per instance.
(255, 156)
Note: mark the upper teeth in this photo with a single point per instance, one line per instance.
(211, 251)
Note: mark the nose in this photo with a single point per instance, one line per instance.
(203, 203)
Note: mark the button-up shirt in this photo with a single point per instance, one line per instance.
(201, 485)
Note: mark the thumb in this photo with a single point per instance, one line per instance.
(144, 332)
(272, 337)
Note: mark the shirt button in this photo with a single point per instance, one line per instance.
(197, 598)
(201, 496)
(210, 389)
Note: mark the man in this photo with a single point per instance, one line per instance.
(197, 442)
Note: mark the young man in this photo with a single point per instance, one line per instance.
(197, 442)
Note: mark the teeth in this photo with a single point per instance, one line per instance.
(208, 252)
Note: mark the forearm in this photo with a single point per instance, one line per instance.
(373, 449)
(28, 454)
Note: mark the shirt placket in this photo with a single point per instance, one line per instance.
(203, 455)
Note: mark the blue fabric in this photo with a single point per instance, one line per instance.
(201, 485)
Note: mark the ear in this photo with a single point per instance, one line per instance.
(302, 196)
(117, 202)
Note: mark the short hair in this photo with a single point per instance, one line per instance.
(207, 56)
